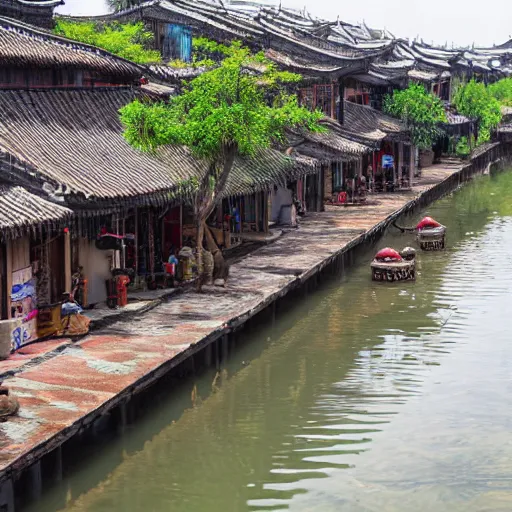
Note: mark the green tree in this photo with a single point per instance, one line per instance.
(502, 91)
(421, 112)
(128, 40)
(221, 114)
(474, 100)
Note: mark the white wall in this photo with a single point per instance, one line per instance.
(96, 270)
(281, 196)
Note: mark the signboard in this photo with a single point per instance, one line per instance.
(23, 306)
(388, 161)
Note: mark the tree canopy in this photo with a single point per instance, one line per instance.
(502, 91)
(128, 40)
(474, 100)
(420, 110)
(229, 105)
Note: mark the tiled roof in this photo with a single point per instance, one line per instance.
(370, 126)
(362, 131)
(505, 128)
(21, 211)
(28, 46)
(73, 141)
(454, 119)
(276, 28)
(299, 41)
(175, 75)
(333, 140)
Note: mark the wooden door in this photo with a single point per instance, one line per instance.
(57, 269)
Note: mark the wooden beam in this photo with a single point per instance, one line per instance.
(67, 261)
(257, 210)
(341, 105)
(412, 163)
(8, 277)
(265, 205)
(400, 160)
(136, 242)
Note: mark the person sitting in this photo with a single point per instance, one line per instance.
(173, 260)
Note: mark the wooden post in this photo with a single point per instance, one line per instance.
(266, 217)
(319, 192)
(136, 242)
(8, 277)
(257, 199)
(341, 105)
(67, 261)
(412, 163)
(181, 226)
(400, 161)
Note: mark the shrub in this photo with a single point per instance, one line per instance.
(127, 40)
(475, 101)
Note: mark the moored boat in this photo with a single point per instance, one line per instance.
(431, 235)
(390, 265)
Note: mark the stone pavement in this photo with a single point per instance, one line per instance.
(63, 390)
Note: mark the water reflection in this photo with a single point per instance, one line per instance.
(367, 397)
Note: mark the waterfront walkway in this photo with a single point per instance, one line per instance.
(62, 386)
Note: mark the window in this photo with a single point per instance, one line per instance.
(337, 176)
(444, 93)
(355, 92)
(306, 98)
(322, 97)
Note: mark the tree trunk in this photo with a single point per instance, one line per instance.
(207, 199)
(199, 255)
(212, 246)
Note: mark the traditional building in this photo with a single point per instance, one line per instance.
(34, 12)
(68, 174)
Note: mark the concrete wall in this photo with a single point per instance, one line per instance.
(426, 158)
(96, 266)
(280, 197)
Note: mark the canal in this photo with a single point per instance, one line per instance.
(362, 397)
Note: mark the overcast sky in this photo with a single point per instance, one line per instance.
(441, 21)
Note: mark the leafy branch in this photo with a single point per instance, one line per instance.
(128, 40)
(421, 111)
(475, 100)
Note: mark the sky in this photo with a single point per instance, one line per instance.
(457, 22)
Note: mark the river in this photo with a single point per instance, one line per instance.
(363, 397)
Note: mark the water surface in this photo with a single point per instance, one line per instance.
(364, 397)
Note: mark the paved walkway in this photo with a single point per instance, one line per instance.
(62, 390)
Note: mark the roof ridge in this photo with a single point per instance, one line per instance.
(11, 23)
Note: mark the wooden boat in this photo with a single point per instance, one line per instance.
(431, 235)
(390, 265)
(432, 239)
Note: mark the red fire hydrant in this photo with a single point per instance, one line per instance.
(122, 291)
